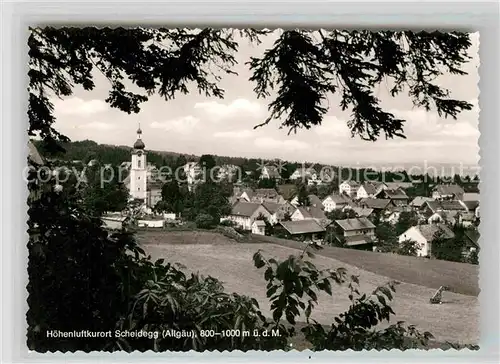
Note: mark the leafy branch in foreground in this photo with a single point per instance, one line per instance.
(302, 68)
(293, 288)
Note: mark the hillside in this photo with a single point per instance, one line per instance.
(457, 320)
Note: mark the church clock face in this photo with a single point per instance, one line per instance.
(139, 154)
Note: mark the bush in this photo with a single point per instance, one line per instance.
(205, 221)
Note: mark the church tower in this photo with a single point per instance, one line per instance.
(138, 169)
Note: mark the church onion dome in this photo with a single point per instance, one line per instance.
(139, 144)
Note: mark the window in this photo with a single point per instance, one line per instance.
(138, 189)
(138, 177)
(139, 163)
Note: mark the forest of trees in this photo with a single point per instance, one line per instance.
(82, 278)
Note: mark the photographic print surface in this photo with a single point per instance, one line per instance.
(242, 189)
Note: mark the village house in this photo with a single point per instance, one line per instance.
(350, 188)
(335, 202)
(305, 230)
(397, 197)
(313, 200)
(270, 172)
(471, 243)
(398, 185)
(358, 232)
(447, 192)
(424, 235)
(259, 227)
(288, 191)
(452, 207)
(278, 211)
(377, 204)
(113, 221)
(266, 194)
(243, 214)
(302, 173)
(367, 190)
(362, 212)
(310, 213)
(418, 201)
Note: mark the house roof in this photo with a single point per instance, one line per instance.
(272, 171)
(396, 185)
(272, 207)
(355, 224)
(352, 183)
(370, 188)
(420, 200)
(259, 223)
(445, 205)
(302, 227)
(246, 209)
(448, 189)
(357, 240)
(248, 191)
(338, 199)
(362, 212)
(287, 191)
(268, 192)
(471, 205)
(397, 194)
(315, 201)
(375, 203)
(429, 231)
(311, 212)
(473, 236)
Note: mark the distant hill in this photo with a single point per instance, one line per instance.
(86, 150)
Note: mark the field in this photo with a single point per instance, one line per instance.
(456, 320)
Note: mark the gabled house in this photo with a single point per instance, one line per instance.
(418, 201)
(243, 214)
(313, 200)
(471, 242)
(425, 235)
(357, 232)
(366, 190)
(377, 204)
(306, 230)
(245, 194)
(278, 210)
(447, 192)
(470, 205)
(443, 217)
(452, 207)
(302, 173)
(397, 197)
(362, 212)
(270, 172)
(310, 213)
(335, 202)
(259, 227)
(350, 188)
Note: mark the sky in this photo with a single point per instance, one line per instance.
(198, 125)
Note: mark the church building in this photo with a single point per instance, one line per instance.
(139, 182)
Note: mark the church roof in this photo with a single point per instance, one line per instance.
(139, 144)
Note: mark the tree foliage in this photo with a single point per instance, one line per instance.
(81, 277)
(302, 68)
